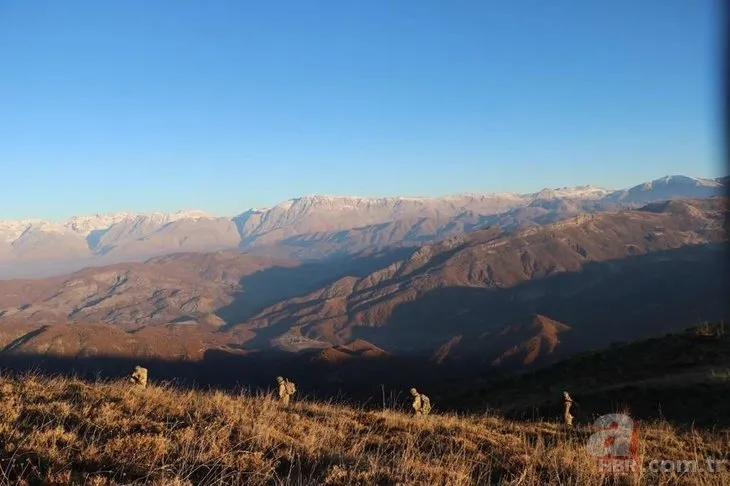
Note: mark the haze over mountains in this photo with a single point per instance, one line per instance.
(310, 227)
(502, 299)
(627, 271)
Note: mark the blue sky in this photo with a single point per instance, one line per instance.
(167, 104)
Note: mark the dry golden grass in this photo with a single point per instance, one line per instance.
(66, 431)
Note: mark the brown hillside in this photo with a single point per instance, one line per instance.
(185, 287)
(611, 276)
(346, 352)
(644, 376)
(525, 342)
(445, 289)
(535, 338)
(59, 431)
(88, 340)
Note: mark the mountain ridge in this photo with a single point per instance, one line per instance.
(373, 307)
(81, 220)
(310, 227)
(491, 299)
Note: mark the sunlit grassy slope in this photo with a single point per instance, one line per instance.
(66, 431)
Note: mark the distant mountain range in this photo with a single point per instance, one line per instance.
(514, 299)
(311, 227)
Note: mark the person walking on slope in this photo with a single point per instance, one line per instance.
(286, 389)
(139, 376)
(421, 403)
(566, 413)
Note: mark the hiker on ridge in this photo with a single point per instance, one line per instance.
(567, 417)
(286, 389)
(139, 376)
(421, 403)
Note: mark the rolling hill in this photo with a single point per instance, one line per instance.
(644, 376)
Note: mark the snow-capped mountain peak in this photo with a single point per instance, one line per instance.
(682, 180)
(10, 230)
(344, 222)
(84, 225)
(575, 192)
(330, 202)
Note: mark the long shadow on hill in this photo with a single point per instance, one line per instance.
(366, 382)
(384, 382)
(608, 301)
(271, 285)
(23, 339)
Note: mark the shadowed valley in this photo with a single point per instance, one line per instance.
(488, 302)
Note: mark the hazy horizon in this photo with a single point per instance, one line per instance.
(365, 196)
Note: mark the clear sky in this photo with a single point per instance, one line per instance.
(141, 105)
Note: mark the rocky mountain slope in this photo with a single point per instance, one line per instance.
(523, 342)
(204, 289)
(613, 274)
(181, 289)
(310, 227)
(503, 300)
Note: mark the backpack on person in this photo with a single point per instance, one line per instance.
(425, 404)
(290, 388)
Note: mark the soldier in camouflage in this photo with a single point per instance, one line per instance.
(567, 416)
(139, 376)
(421, 403)
(286, 389)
